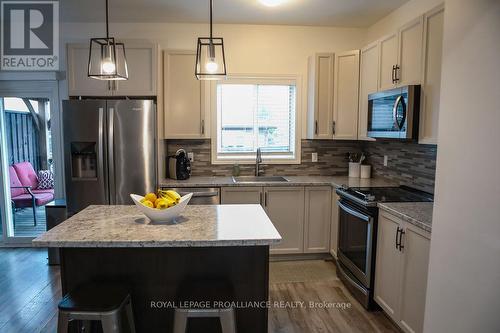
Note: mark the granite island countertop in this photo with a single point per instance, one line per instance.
(198, 226)
(416, 213)
(335, 181)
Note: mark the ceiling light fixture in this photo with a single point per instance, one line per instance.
(272, 3)
(107, 59)
(210, 57)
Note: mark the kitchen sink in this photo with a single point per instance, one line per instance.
(260, 179)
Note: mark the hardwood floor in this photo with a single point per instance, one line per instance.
(332, 310)
(30, 291)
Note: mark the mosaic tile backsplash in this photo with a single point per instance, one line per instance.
(331, 159)
(409, 163)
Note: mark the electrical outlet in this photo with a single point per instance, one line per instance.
(191, 157)
(386, 159)
(314, 157)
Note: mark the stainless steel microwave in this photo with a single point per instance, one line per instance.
(394, 114)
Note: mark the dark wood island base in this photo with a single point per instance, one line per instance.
(156, 273)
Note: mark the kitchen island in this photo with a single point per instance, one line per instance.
(227, 243)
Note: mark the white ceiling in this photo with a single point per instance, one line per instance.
(342, 13)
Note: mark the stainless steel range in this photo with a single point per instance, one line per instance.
(358, 214)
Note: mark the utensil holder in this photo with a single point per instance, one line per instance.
(354, 170)
(366, 171)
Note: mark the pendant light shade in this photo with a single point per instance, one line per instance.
(107, 60)
(210, 57)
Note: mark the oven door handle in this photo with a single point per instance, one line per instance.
(353, 212)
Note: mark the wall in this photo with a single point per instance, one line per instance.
(410, 164)
(464, 273)
(331, 159)
(399, 17)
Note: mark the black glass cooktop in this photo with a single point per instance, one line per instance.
(387, 194)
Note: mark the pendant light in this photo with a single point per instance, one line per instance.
(210, 58)
(107, 59)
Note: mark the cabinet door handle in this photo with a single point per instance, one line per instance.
(397, 237)
(203, 126)
(401, 246)
(396, 72)
(333, 127)
(316, 127)
(265, 199)
(393, 73)
(260, 198)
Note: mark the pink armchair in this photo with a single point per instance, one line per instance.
(24, 190)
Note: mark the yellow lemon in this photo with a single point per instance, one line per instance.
(147, 203)
(151, 197)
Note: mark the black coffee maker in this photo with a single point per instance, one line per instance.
(179, 166)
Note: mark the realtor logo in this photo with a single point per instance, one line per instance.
(30, 35)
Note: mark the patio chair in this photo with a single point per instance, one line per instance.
(24, 190)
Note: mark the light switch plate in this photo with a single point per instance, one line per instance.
(191, 157)
(386, 159)
(314, 157)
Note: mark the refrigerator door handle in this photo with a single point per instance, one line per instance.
(111, 156)
(101, 174)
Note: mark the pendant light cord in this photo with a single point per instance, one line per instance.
(211, 8)
(107, 20)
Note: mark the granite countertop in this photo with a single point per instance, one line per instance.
(337, 181)
(416, 213)
(198, 226)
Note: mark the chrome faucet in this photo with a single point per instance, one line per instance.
(258, 160)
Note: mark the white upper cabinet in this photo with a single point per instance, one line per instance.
(410, 53)
(367, 85)
(346, 96)
(433, 36)
(142, 62)
(320, 96)
(400, 55)
(388, 59)
(79, 84)
(184, 111)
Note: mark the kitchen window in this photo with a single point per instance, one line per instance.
(255, 113)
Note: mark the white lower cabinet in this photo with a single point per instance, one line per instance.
(241, 195)
(318, 210)
(401, 271)
(285, 208)
(301, 215)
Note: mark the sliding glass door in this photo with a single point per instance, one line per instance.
(29, 161)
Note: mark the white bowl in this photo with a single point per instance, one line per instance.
(162, 215)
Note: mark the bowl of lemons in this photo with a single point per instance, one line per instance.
(162, 206)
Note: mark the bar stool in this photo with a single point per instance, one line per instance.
(202, 292)
(102, 302)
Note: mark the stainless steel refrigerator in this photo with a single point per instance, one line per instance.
(109, 151)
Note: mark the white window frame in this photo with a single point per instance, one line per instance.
(267, 158)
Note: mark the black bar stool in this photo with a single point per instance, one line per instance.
(101, 302)
(213, 292)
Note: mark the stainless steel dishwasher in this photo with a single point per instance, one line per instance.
(201, 195)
